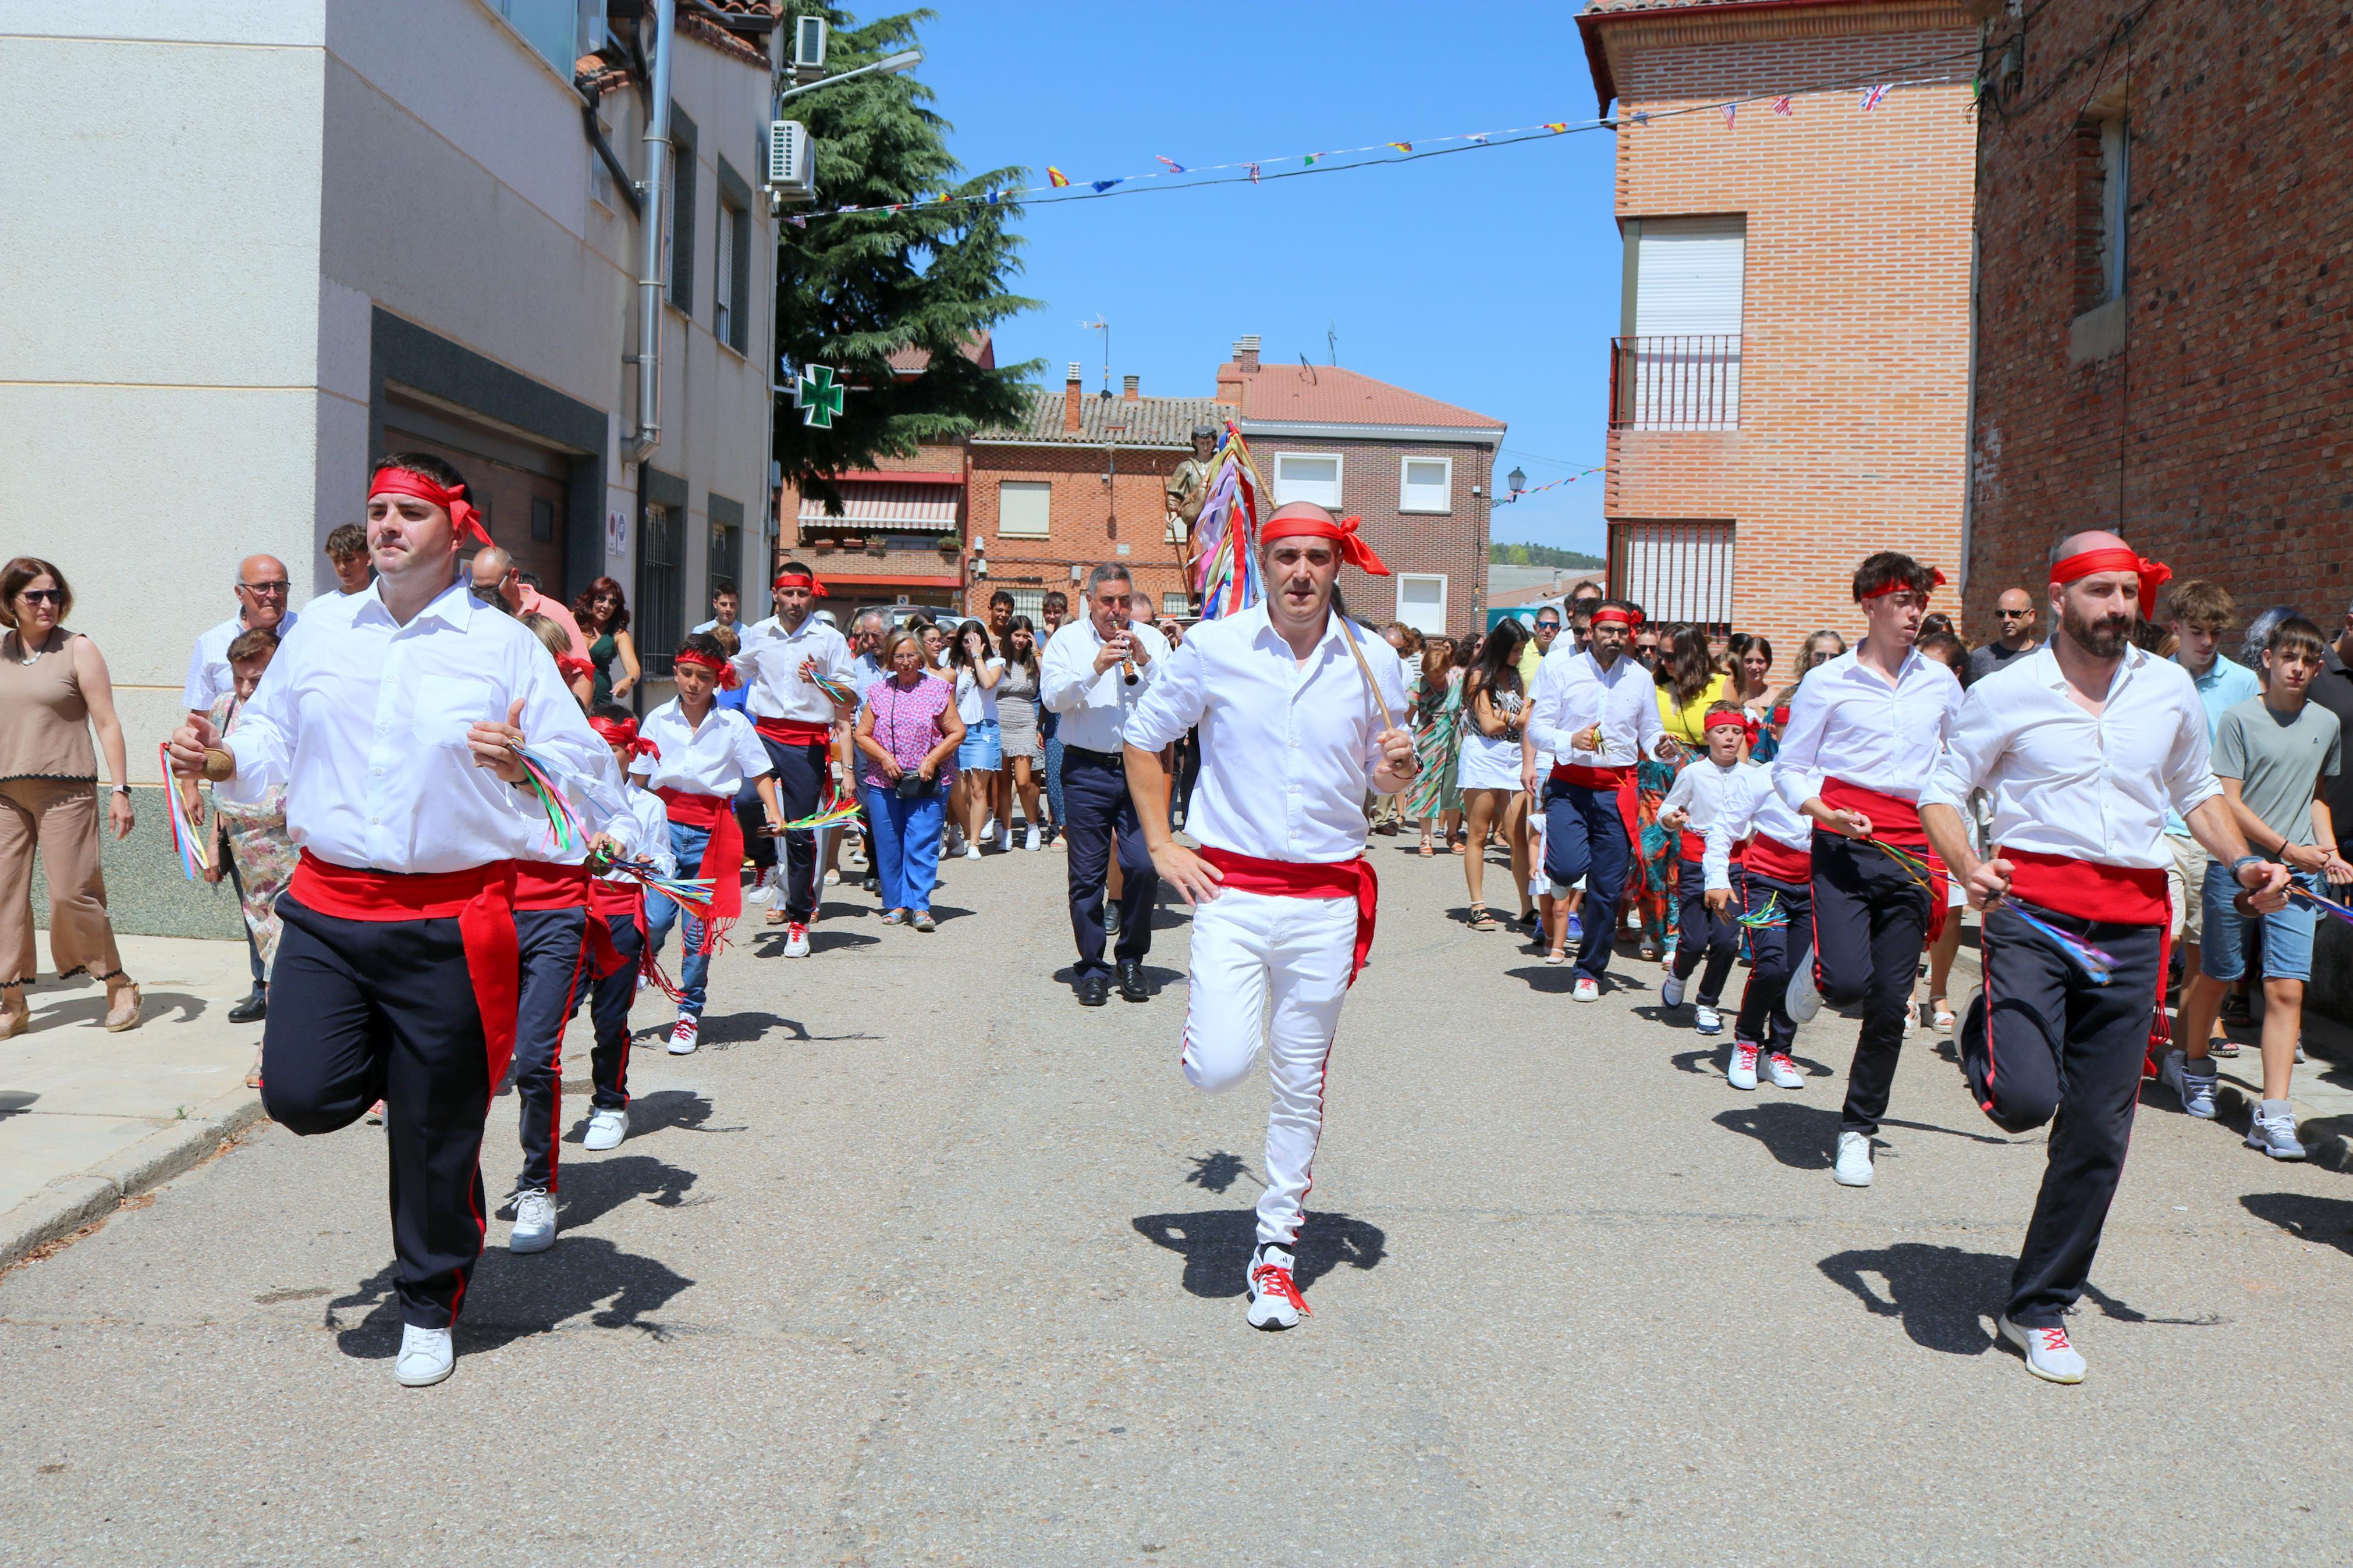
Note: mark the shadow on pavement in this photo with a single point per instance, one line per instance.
(1218, 1170)
(1547, 980)
(2328, 1221)
(588, 1190)
(673, 1109)
(1215, 1246)
(514, 1297)
(157, 1007)
(1943, 1294)
(1798, 1136)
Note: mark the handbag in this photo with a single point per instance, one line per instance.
(911, 785)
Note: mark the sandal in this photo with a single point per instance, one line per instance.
(1556, 956)
(923, 922)
(1481, 917)
(1940, 1015)
(253, 1073)
(1426, 850)
(2223, 1049)
(16, 1014)
(123, 1016)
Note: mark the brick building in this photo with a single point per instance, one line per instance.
(1789, 383)
(2165, 315)
(1083, 480)
(1416, 471)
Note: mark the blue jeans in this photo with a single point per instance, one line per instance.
(2287, 933)
(906, 844)
(1585, 837)
(688, 844)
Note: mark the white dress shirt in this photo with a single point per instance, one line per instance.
(1287, 752)
(1095, 708)
(1573, 692)
(364, 720)
(714, 759)
(1699, 792)
(1847, 722)
(1751, 806)
(208, 671)
(2064, 783)
(770, 660)
(642, 832)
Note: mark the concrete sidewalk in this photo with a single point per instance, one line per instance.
(88, 1119)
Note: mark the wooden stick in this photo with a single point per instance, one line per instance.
(1349, 630)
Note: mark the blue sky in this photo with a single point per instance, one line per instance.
(1489, 278)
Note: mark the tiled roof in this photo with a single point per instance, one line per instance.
(914, 361)
(1145, 422)
(1326, 394)
(690, 26)
(1597, 58)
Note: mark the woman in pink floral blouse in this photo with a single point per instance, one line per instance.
(907, 733)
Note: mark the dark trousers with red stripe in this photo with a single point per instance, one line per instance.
(368, 1010)
(803, 773)
(1704, 934)
(2042, 1042)
(608, 1011)
(1764, 1020)
(555, 945)
(1870, 925)
(1586, 836)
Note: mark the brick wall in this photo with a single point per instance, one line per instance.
(2210, 417)
(876, 559)
(1089, 519)
(1452, 544)
(1856, 303)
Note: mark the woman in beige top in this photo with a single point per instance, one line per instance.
(53, 690)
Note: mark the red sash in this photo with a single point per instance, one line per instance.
(1893, 817)
(1308, 880)
(723, 858)
(608, 898)
(1768, 856)
(544, 884)
(1619, 781)
(2091, 890)
(1694, 847)
(480, 899)
(793, 732)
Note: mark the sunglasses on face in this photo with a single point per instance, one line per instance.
(276, 588)
(2013, 615)
(43, 596)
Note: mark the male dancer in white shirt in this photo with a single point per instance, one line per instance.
(619, 900)
(1095, 673)
(1597, 712)
(1775, 848)
(1291, 739)
(1706, 934)
(1864, 733)
(392, 722)
(782, 661)
(2081, 745)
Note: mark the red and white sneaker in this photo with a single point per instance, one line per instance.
(797, 941)
(1740, 1072)
(683, 1038)
(1587, 989)
(1782, 1072)
(1274, 1300)
(2048, 1356)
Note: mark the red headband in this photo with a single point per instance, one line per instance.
(722, 671)
(1726, 713)
(1305, 520)
(1613, 616)
(424, 487)
(1935, 580)
(623, 732)
(802, 580)
(2153, 574)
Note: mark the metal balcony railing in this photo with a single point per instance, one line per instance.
(1686, 383)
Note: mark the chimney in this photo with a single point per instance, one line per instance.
(1070, 400)
(1246, 353)
(1128, 393)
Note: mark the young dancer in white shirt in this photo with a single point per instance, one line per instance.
(1707, 933)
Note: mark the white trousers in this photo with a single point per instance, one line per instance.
(1250, 949)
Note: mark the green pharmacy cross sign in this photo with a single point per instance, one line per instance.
(819, 396)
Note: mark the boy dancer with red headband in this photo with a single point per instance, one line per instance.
(1296, 706)
(1596, 710)
(700, 757)
(1774, 846)
(617, 900)
(803, 683)
(1865, 728)
(1705, 932)
(2081, 746)
(393, 721)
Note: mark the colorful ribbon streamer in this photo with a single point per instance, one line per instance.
(1771, 917)
(690, 893)
(2327, 906)
(1227, 579)
(2098, 967)
(835, 690)
(831, 815)
(539, 778)
(194, 862)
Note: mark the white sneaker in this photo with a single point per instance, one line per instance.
(425, 1357)
(1275, 1299)
(797, 941)
(1802, 1001)
(606, 1128)
(1740, 1072)
(644, 980)
(1030, 842)
(972, 851)
(534, 1225)
(1671, 992)
(1706, 1020)
(681, 1039)
(1005, 837)
(1782, 1073)
(1853, 1167)
(761, 892)
(988, 828)
(1587, 989)
(2048, 1356)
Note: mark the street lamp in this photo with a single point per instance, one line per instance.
(1519, 481)
(905, 61)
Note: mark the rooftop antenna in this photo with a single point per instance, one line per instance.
(1100, 325)
(1331, 343)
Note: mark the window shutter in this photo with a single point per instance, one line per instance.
(1688, 279)
(739, 326)
(681, 243)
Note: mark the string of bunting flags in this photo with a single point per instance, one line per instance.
(1290, 165)
(1549, 485)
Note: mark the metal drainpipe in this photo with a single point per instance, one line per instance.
(648, 435)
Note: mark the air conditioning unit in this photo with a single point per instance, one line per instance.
(792, 160)
(808, 48)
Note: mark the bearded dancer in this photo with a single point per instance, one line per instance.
(2081, 746)
(1864, 733)
(1291, 739)
(1597, 712)
(619, 900)
(782, 661)
(393, 723)
(1775, 848)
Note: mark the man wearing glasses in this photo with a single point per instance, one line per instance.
(1532, 656)
(2015, 612)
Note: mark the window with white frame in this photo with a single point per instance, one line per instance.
(1176, 605)
(1421, 600)
(1426, 484)
(1307, 475)
(1022, 506)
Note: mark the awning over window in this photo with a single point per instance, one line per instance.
(897, 508)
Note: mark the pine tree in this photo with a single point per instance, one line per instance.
(850, 291)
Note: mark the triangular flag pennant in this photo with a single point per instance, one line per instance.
(1174, 166)
(1402, 146)
(1782, 105)
(1642, 117)
(1555, 126)
(797, 221)
(1310, 158)
(1730, 112)
(1055, 175)
(1102, 185)
(1478, 136)
(1872, 96)
(1253, 172)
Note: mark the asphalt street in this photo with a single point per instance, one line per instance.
(918, 1261)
